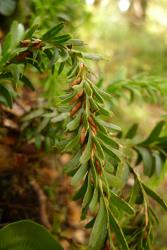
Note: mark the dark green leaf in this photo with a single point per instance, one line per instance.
(89, 192)
(120, 203)
(61, 67)
(6, 94)
(114, 225)
(27, 82)
(73, 163)
(51, 34)
(155, 196)
(87, 152)
(132, 131)
(154, 134)
(107, 139)
(81, 192)
(147, 160)
(99, 231)
(27, 235)
(79, 175)
(62, 39)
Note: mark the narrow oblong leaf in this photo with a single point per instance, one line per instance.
(87, 152)
(155, 196)
(94, 201)
(79, 175)
(118, 232)
(81, 192)
(27, 82)
(74, 124)
(72, 143)
(89, 192)
(158, 162)
(88, 89)
(62, 39)
(111, 152)
(132, 131)
(154, 134)
(112, 180)
(33, 114)
(107, 139)
(49, 35)
(110, 126)
(98, 148)
(147, 160)
(99, 231)
(6, 94)
(120, 203)
(73, 163)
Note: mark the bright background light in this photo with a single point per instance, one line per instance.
(124, 5)
(90, 2)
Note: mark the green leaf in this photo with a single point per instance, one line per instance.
(51, 34)
(6, 94)
(81, 192)
(112, 180)
(110, 125)
(62, 39)
(60, 117)
(61, 67)
(72, 144)
(93, 105)
(27, 235)
(90, 223)
(103, 94)
(54, 58)
(96, 93)
(136, 195)
(154, 134)
(120, 203)
(158, 162)
(63, 55)
(74, 124)
(89, 192)
(30, 31)
(103, 110)
(132, 131)
(17, 31)
(47, 144)
(73, 163)
(77, 42)
(155, 196)
(43, 124)
(87, 152)
(79, 175)
(147, 160)
(107, 139)
(88, 89)
(27, 82)
(114, 225)
(33, 114)
(94, 57)
(94, 201)
(98, 148)
(6, 45)
(111, 151)
(99, 231)
(38, 141)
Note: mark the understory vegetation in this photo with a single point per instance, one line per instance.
(83, 125)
